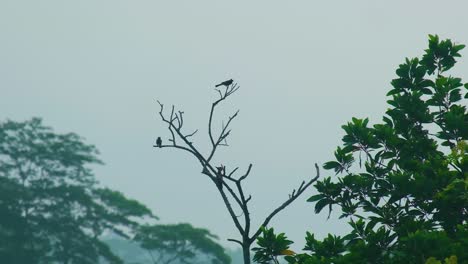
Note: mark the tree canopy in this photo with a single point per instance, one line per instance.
(402, 183)
(52, 208)
(181, 243)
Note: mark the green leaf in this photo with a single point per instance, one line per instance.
(320, 205)
(426, 91)
(331, 165)
(315, 198)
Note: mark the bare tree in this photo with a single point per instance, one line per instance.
(228, 183)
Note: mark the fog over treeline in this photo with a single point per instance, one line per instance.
(82, 85)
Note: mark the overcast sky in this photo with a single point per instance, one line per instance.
(305, 68)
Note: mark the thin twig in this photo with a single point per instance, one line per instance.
(286, 203)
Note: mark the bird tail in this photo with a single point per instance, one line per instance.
(218, 85)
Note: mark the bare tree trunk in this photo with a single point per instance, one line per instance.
(246, 253)
(228, 183)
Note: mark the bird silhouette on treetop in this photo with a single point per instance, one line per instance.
(225, 83)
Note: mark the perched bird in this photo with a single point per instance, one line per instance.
(158, 142)
(221, 169)
(219, 175)
(225, 83)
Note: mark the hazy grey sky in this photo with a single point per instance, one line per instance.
(305, 68)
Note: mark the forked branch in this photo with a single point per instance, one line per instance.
(228, 184)
(293, 196)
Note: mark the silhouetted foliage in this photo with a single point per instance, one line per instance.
(403, 183)
(52, 210)
(181, 243)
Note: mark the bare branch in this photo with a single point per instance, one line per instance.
(246, 173)
(222, 96)
(293, 197)
(172, 118)
(235, 241)
(181, 123)
(176, 129)
(233, 194)
(191, 134)
(231, 211)
(167, 121)
(174, 146)
(232, 172)
(224, 134)
(225, 182)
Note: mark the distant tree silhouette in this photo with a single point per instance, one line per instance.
(228, 184)
(51, 208)
(181, 243)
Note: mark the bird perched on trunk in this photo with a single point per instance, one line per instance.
(158, 142)
(225, 83)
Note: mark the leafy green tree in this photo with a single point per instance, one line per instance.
(403, 183)
(272, 246)
(52, 210)
(181, 243)
(410, 195)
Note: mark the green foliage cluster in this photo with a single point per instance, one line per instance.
(270, 246)
(403, 183)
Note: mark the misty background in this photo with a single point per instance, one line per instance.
(305, 68)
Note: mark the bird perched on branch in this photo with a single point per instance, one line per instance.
(159, 142)
(225, 83)
(220, 174)
(221, 169)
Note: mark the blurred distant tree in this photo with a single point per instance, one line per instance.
(227, 182)
(403, 183)
(181, 243)
(51, 209)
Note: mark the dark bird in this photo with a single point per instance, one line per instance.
(158, 142)
(225, 83)
(219, 175)
(221, 169)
